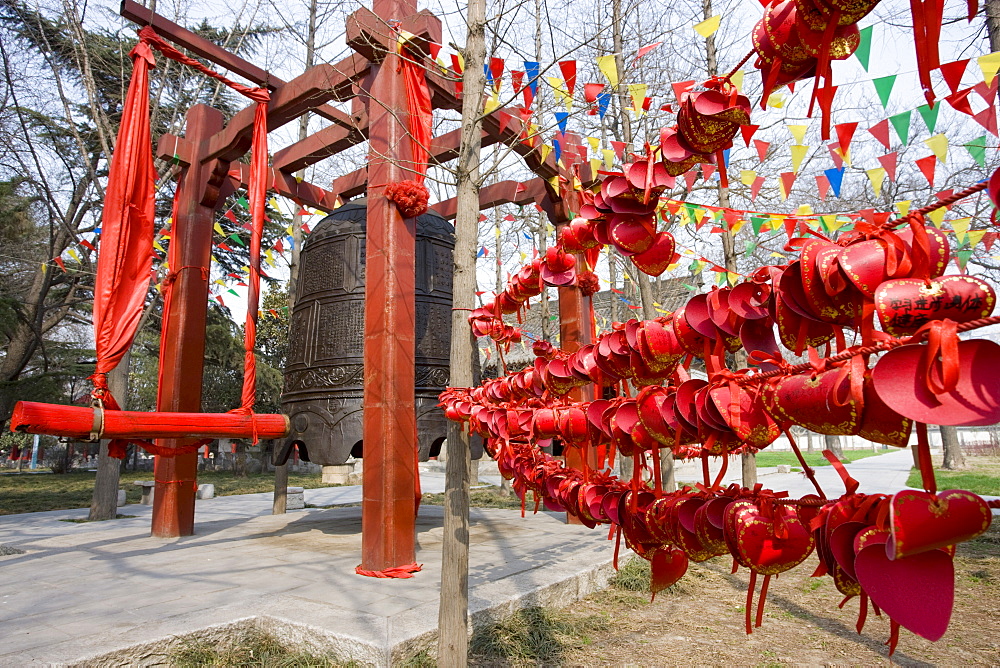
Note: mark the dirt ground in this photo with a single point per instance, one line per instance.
(700, 621)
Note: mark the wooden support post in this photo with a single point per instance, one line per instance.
(390, 427)
(182, 349)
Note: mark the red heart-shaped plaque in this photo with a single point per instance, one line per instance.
(669, 565)
(975, 400)
(632, 234)
(770, 545)
(809, 402)
(922, 521)
(916, 592)
(655, 260)
(905, 304)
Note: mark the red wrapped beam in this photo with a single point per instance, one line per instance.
(79, 422)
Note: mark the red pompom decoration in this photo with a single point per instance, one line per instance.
(588, 283)
(409, 197)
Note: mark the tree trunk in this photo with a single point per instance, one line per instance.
(104, 505)
(280, 489)
(240, 461)
(992, 11)
(834, 446)
(453, 610)
(809, 442)
(668, 480)
(954, 458)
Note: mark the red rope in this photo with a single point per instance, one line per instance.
(401, 572)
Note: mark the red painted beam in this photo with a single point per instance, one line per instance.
(284, 184)
(77, 422)
(181, 36)
(327, 142)
(505, 192)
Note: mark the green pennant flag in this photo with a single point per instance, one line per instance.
(901, 123)
(694, 266)
(977, 149)
(963, 256)
(930, 116)
(864, 50)
(689, 287)
(720, 277)
(757, 222)
(751, 246)
(234, 292)
(883, 86)
(236, 239)
(243, 201)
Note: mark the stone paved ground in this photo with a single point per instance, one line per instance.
(85, 590)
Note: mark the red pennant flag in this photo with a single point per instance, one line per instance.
(790, 225)
(988, 93)
(845, 133)
(889, 161)
(673, 207)
(762, 147)
(690, 177)
(591, 91)
(960, 101)
(218, 298)
(755, 188)
(231, 216)
(496, 71)
(305, 229)
(529, 96)
(988, 240)
(647, 102)
(433, 49)
(279, 245)
(59, 261)
(456, 66)
(681, 87)
(881, 132)
(516, 80)
(787, 179)
(988, 119)
(619, 147)
(952, 73)
(748, 132)
(926, 166)
(504, 119)
(224, 246)
(823, 186)
(568, 69)
(646, 49)
(87, 244)
(707, 170)
(838, 161)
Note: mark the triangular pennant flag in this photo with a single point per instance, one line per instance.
(755, 188)
(989, 64)
(643, 50)
(960, 101)
(988, 119)
(568, 69)
(937, 217)
(737, 80)
(845, 133)
(881, 132)
(748, 132)
(230, 215)
(619, 147)
(603, 100)
(939, 145)
(762, 147)
(883, 86)
(609, 159)
(798, 132)
(747, 177)
(864, 50)
(889, 161)
(638, 94)
(561, 118)
(974, 237)
(977, 149)
(607, 66)
(926, 166)
(798, 155)
(876, 176)
(823, 186)
(836, 179)
(757, 222)
(517, 80)
(901, 123)
(708, 26)
(531, 73)
(591, 91)
(787, 179)
(903, 207)
(929, 115)
(680, 87)
(835, 154)
(952, 73)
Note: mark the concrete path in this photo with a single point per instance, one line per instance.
(109, 590)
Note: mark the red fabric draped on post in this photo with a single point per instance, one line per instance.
(126, 250)
(418, 103)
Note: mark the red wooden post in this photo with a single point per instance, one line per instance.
(388, 507)
(183, 348)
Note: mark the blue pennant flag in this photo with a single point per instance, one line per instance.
(836, 178)
(489, 75)
(531, 73)
(561, 118)
(603, 100)
(557, 149)
(725, 158)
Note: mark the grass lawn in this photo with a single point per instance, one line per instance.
(813, 458)
(981, 477)
(34, 492)
(486, 497)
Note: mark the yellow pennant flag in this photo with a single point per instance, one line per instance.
(939, 145)
(72, 253)
(546, 149)
(989, 64)
(776, 100)
(274, 203)
(974, 237)
(737, 80)
(595, 143)
(747, 177)
(937, 217)
(559, 88)
(708, 26)
(733, 277)
(606, 64)
(461, 61)
(798, 154)
(638, 94)
(218, 228)
(737, 226)
(903, 207)
(492, 102)
(960, 225)
(804, 210)
(831, 222)
(156, 245)
(798, 132)
(876, 176)
(595, 164)
(524, 256)
(609, 158)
